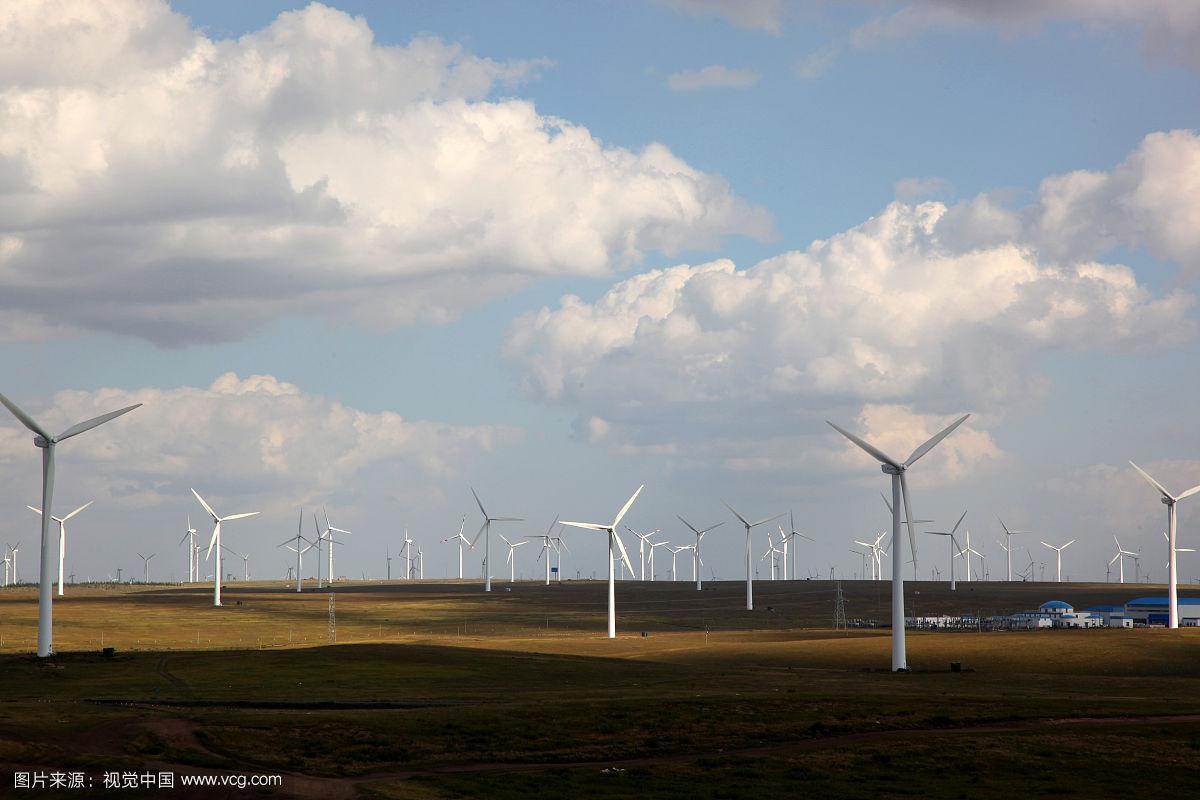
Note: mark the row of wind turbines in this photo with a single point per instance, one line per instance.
(896, 470)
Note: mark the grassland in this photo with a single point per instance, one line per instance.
(439, 691)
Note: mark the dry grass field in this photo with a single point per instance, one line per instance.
(436, 690)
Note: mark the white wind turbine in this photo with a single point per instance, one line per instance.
(12, 549)
(793, 534)
(461, 540)
(298, 549)
(559, 546)
(953, 546)
(1177, 549)
(674, 552)
(190, 538)
(1007, 543)
(511, 560)
(650, 556)
(772, 553)
(749, 573)
(897, 470)
(329, 532)
(1120, 556)
(47, 443)
(407, 556)
(146, 566)
(967, 552)
(7, 565)
(613, 538)
(62, 538)
(547, 544)
(485, 530)
(1058, 553)
(1169, 500)
(643, 540)
(697, 562)
(215, 543)
(876, 549)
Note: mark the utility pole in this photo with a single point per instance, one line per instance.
(332, 620)
(839, 610)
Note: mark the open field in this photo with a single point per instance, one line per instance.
(437, 690)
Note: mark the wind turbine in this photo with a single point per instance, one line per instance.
(793, 534)
(1007, 543)
(146, 566)
(547, 544)
(12, 549)
(650, 556)
(47, 443)
(7, 564)
(215, 542)
(612, 538)
(485, 530)
(406, 554)
(461, 540)
(749, 574)
(876, 548)
(62, 538)
(953, 545)
(510, 560)
(1120, 556)
(1058, 552)
(329, 532)
(190, 538)
(1177, 549)
(897, 470)
(772, 553)
(967, 552)
(643, 540)
(700, 533)
(298, 549)
(1169, 500)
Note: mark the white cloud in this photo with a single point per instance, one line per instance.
(909, 190)
(818, 62)
(764, 15)
(1170, 28)
(926, 307)
(158, 183)
(713, 76)
(249, 441)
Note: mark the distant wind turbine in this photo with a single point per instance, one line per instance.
(460, 540)
(1058, 553)
(613, 539)
(146, 566)
(953, 546)
(62, 538)
(47, 443)
(1007, 543)
(749, 567)
(190, 537)
(547, 544)
(697, 562)
(485, 530)
(897, 470)
(299, 549)
(215, 542)
(511, 560)
(1120, 556)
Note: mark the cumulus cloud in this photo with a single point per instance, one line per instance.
(254, 440)
(764, 15)
(713, 76)
(1170, 29)
(925, 307)
(159, 183)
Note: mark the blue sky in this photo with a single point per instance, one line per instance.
(970, 107)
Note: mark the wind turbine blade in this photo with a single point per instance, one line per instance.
(94, 422)
(625, 509)
(709, 528)
(1189, 492)
(1049, 545)
(476, 539)
(1114, 558)
(552, 524)
(207, 507)
(76, 511)
(690, 525)
(1068, 544)
(765, 521)
(908, 517)
(621, 547)
(507, 519)
(933, 442)
(37, 511)
(240, 516)
(739, 516)
(25, 419)
(478, 502)
(960, 519)
(213, 540)
(591, 526)
(886, 503)
(879, 455)
(1152, 482)
(288, 541)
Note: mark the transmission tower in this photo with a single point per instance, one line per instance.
(839, 610)
(332, 620)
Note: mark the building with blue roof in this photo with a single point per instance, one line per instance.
(1155, 611)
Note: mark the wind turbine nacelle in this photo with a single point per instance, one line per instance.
(40, 441)
(888, 469)
(1166, 501)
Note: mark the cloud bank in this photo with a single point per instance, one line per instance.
(158, 183)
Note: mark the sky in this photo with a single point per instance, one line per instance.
(366, 256)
